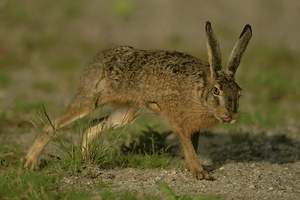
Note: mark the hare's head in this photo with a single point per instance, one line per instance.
(223, 92)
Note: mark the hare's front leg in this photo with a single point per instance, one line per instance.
(191, 158)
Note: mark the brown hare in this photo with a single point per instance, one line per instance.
(191, 94)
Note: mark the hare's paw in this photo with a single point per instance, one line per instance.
(32, 158)
(201, 174)
(31, 162)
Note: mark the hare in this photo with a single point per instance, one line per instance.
(191, 94)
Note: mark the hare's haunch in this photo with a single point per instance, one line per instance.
(193, 95)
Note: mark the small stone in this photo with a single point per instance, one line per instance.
(251, 186)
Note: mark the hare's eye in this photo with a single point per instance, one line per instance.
(216, 91)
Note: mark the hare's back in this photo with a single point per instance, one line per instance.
(128, 74)
(131, 63)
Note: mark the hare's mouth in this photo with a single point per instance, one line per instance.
(228, 120)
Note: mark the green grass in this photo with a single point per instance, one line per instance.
(109, 149)
(104, 151)
(17, 183)
(124, 9)
(36, 185)
(268, 76)
(148, 151)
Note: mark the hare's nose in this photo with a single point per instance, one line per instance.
(234, 115)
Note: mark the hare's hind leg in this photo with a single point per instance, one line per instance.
(118, 118)
(77, 109)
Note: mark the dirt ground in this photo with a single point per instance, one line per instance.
(260, 164)
(263, 165)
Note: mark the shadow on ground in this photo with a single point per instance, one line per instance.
(278, 146)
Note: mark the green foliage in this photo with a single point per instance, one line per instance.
(123, 8)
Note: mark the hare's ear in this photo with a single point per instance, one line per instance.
(238, 50)
(213, 50)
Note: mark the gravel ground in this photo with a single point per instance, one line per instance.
(262, 165)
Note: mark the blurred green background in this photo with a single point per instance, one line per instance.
(45, 44)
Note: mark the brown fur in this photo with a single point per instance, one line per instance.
(193, 95)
